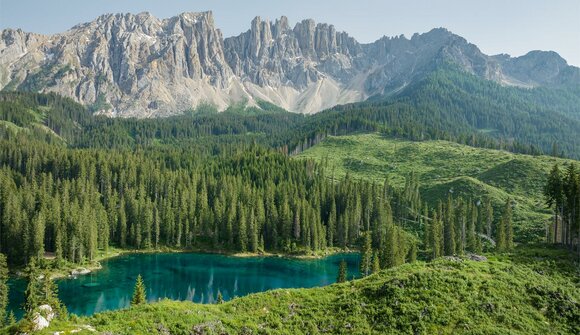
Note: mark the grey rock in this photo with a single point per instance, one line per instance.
(80, 272)
(139, 65)
(477, 258)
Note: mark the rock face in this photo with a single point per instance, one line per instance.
(42, 318)
(80, 272)
(139, 65)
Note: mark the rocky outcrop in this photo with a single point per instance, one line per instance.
(42, 318)
(139, 65)
(80, 272)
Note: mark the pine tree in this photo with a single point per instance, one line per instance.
(461, 227)
(242, 237)
(139, 294)
(488, 218)
(11, 319)
(49, 295)
(3, 289)
(449, 229)
(342, 272)
(554, 193)
(33, 292)
(427, 230)
(500, 240)
(437, 246)
(331, 225)
(253, 231)
(39, 227)
(391, 247)
(220, 298)
(509, 230)
(366, 255)
(376, 262)
(412, 253)
(471, 235)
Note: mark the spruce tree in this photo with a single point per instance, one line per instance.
(376, 262)
(220, 298)
(139, 294)
(554, 193)
(449, 229)
(427, 230)
(500, 240)
(366, 255)
(49, 295)
(3, 289)
(488, 218)
(33, 292)
(342, 272)
(11, 319)
(242, 237)
(412, 253)
(471, 234)
(509, 230)
(253, 231)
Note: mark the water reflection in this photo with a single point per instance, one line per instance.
(182, 276)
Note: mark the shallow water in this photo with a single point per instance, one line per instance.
(187, 276)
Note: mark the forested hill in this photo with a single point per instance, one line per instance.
(452, 105)
(448, 104)
(72, 184)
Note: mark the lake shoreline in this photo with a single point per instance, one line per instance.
(95, 265)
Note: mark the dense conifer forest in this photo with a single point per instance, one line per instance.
(74, 183)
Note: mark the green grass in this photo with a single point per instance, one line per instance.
(446, 167)
(533, 291)
(12, 127)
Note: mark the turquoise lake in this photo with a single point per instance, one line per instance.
(187, 276)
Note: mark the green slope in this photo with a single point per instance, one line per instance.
(531, 292)
(446, 167)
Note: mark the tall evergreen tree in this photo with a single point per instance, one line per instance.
(554, 193)
(366, 255)
(342, 272)
(33, 291)
(437, 240)
(488, 214)
(376, 262)
(509, 230)
(500, 240)
(220, 298)
(449, 228)
(139, 294)
(3, 290)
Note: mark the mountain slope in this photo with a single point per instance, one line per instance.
(139, 65)
(530, 292)
(447, 168)
(451, 104)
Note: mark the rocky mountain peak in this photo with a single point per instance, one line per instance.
(140, 65)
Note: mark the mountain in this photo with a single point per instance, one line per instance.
(139, 65)
(446, 168)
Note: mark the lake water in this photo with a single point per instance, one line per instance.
(187, 276)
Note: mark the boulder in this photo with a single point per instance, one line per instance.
(80, 271)
(47, 312)
(477, 258)
(453, 258)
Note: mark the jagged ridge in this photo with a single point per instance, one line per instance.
(139, 65)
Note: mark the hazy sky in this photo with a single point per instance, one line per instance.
(496, 26)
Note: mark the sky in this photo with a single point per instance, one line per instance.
(495, 26)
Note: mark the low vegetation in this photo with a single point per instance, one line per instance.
(445, 168)
(531, 291)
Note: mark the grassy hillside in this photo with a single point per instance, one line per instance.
(446, 167)
(533, 291)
